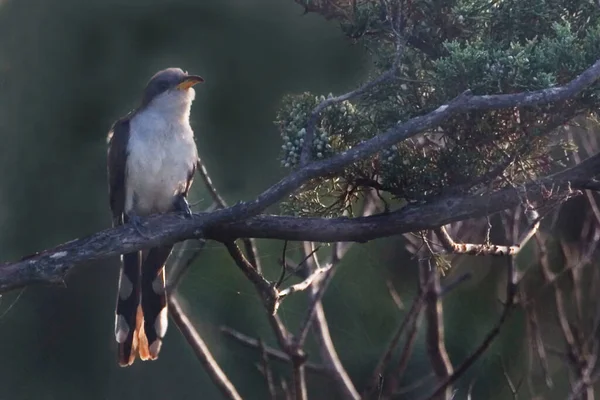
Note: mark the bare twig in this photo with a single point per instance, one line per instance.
(514, 389)
(276, 354)
(267, 370)
(561, 311)
(511, 286)
(201, 350)
(330, 357)
(385, 359)
(219, 201)
(316, 297)
(315, 310)
(305, 283)
(436, 347)
(286, 390)
(209, 184)
(455, 282)
(179, 268)
(537, 342)
(486, 248)
(409, 344)
(299, 375)
(586, 379)
(283, 265)
(321, 328)
(266, 291)
(394, 295)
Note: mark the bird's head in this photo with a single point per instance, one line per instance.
(170, 90)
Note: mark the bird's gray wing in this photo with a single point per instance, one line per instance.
(129, 318)
(118, 137)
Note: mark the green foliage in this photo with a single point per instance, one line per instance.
(334, 131)
(447, 47)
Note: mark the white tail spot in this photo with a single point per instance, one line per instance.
(158, 285)
(154, 349)
(125, 287)
(161, 323)
(121, 328)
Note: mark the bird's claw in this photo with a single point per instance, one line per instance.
(137, 224)
(183, 206)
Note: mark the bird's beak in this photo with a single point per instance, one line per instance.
(189, 81)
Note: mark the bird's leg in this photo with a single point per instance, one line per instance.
(181, 205)
(136, 222)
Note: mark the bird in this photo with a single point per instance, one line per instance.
(151, 161)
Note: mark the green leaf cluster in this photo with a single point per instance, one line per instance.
(447, 47)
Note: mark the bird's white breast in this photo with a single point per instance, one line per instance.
(161, 153)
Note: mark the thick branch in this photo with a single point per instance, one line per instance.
(51, 266)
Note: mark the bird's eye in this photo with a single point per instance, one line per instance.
(163, 86)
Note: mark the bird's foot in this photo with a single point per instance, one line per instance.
(137, 224)
(182, 205)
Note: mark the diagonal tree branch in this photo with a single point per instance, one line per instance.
(511, 288)
(201, 350)
(435, 337)
(185, 326)
(316, 313)
(414, 310)
(50, 266)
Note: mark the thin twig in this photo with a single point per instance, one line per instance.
(561, 310)
(267, 370)
(249, 244)
(179, 268)
(385, 359)
(266, 291)
(12, 304)
(330, 357)
(514, 389)
(286, 390)
(201, 350)
(411, 338)
(299, 375)
(321, 327)
(436, 347)
(394, 295)
(454, 283)
(511, 286)
(276, 354)
(209, 184)
(316, 297)
(283, 265)
(537, 342)
(305, 283)
(483, 249)
(586, 379)
(190, 334)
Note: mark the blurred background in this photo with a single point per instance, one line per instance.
(68, 69)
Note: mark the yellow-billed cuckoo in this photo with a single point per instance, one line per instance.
(151, 163)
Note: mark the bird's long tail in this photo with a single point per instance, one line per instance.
(154, 303)
(128, 319)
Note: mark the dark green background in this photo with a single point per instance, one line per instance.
(68, 69)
